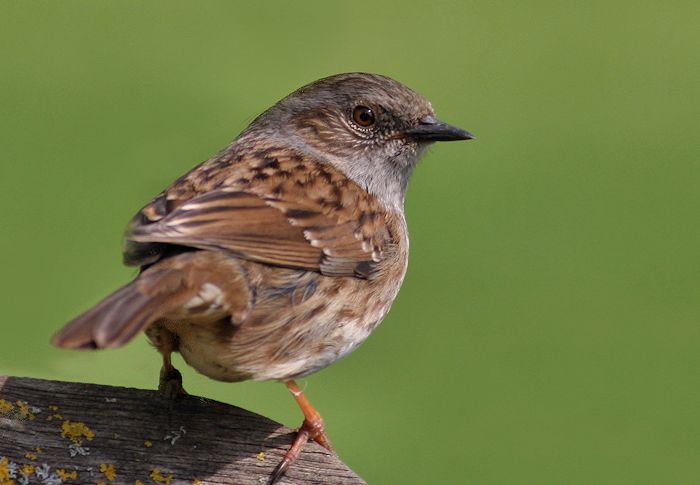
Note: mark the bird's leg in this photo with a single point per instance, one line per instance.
(170, 383)
(311, 428)
(313, 424)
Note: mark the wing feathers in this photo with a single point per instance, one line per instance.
(313, 219)
(163, 291)
(116, 319)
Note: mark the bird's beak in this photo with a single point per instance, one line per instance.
(432, 129)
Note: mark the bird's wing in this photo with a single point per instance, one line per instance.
(279, 210)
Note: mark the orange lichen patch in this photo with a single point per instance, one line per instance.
(6, 407)
(109, 471)
(139, 482)
(148, 443)
(76, 431)
(261, 456)
(25, 412)
(30, 456)
(27, 469)
(5, 470)
(158, 477)
(65, 475)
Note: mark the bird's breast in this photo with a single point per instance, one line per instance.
(300, 323)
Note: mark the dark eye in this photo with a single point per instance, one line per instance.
(363, 116)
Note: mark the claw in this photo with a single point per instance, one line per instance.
(279, 471)
(291, 455)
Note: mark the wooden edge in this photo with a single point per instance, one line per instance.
(55, 432)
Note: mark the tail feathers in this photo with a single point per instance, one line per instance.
(117, 319)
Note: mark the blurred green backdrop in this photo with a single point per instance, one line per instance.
(547, 331)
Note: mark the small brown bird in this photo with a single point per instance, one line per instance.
(282, 253)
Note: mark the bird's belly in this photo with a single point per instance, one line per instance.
(245, 358)
(283, 338)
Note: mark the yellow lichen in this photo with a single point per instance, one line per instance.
(30, 456)
(139, 482)
(4, 469)
(53, 408)
(148, 443)
(27, 469)
(76, 431)
(109, 471)
(5, 478)
(6, 407)
(157, 477)
(65, 475)
(261, 456)
(197, 482)
(25, 411)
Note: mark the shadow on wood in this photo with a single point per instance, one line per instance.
(58, 432)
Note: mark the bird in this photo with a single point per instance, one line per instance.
(283, 252)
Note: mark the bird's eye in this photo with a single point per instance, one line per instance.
(363, 116)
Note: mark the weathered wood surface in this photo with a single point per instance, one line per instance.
(59, 432)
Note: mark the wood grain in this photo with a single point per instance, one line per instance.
(121, 435)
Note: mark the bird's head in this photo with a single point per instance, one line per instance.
(371, 127)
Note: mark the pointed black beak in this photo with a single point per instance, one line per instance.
(432, 129)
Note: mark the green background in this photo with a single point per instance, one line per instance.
(547, 331)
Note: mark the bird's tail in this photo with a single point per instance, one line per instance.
(122, 315)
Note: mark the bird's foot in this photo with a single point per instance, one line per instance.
(170, 385)
(310, 429)
(313, 428)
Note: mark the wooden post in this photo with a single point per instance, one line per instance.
(59, 432)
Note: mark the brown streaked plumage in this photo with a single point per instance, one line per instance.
(281, 254)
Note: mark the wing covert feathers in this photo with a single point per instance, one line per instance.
(275, 208)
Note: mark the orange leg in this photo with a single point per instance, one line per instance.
(311, 428)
